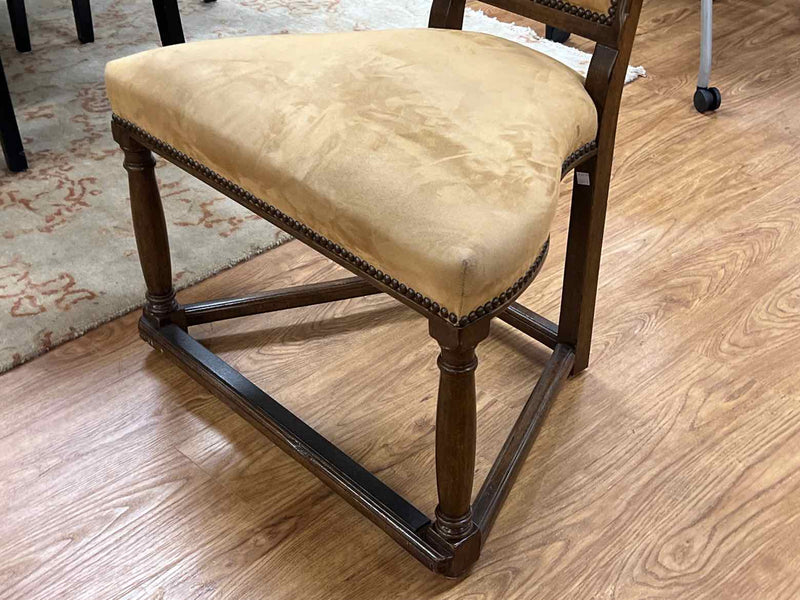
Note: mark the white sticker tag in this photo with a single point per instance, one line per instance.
(582, 178)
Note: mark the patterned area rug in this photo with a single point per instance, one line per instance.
(68, 259)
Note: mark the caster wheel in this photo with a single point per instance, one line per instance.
(556, 35)
(707, 99)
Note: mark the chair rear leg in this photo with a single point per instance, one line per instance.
(447, 14)
(150, 229)
(584, 246)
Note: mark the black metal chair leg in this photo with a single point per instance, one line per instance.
(83, 20)
(168, 18)
(9, 132)
(19, 25)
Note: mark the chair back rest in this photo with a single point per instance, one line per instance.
(598, 20)
(610, 23)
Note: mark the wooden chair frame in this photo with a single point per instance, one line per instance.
(450, 542)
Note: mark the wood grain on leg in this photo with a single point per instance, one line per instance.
(456, 425)
(150, 227)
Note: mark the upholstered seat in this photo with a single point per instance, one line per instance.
(434, 155)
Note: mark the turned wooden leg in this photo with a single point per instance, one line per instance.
(455, 426)
(150, 229)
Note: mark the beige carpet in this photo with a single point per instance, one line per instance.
(68, 259)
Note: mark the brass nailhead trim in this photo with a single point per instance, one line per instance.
(298, 229)
(584, 13)
(576, 156)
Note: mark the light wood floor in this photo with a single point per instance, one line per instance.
(670, 469)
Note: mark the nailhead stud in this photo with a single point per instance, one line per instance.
(296, 225)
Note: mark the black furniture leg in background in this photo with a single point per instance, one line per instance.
(83, 20)
(168, 18)
(556, 35)
(9, 132)
(19, 25)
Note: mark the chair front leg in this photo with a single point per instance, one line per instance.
(150, 229)
(456, 426)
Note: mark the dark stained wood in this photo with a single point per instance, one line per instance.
(531, 323)
(149, 226)
(456, 426)
(604, 81)
(598, 77)
(504, 471)
(398, 518)
(581, 269)
(447, 14)
(294, 297)
(555, 17)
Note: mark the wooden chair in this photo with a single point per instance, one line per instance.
(401, 156)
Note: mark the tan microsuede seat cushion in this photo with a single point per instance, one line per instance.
(435, 155)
